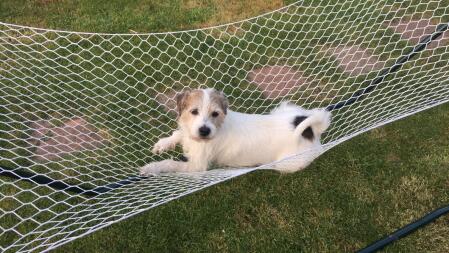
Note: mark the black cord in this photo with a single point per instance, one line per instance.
(406, 230)
(61, 185)
(359, 95)
(44, 180)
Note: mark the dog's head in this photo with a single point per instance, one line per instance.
(201, 112)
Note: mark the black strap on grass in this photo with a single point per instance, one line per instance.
(44, 180)
(61, 185)
(360, 94)
(406, 230)
(32, 177)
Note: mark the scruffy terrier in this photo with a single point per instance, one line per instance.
(211, 133)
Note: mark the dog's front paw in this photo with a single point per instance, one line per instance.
(165, 166)
(162, 145)
(150, 169)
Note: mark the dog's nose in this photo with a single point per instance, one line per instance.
(204, 131)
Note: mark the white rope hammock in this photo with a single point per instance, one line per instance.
(79, 112)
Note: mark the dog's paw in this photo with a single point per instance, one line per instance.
(165, 166)
(150, 169)
(162, 145)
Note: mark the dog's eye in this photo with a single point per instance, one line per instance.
(194, 111)
(215, 114)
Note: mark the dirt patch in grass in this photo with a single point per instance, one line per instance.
(415, 30)
(276, 81)
(168, 101)
(355, 60)
(73, 135)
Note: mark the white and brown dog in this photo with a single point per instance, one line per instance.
(210, 133)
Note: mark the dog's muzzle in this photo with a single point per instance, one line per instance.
(204, 131)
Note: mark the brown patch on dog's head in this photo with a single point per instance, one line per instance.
(186, 99)
(181, 101)
(218, 97)
(217, 108)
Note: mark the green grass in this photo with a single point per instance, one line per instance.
(354, 194)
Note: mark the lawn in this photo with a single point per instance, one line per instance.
(354, 194)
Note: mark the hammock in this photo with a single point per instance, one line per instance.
(79, 112)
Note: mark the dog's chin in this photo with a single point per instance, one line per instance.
(201, 139)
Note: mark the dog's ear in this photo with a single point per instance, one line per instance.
(181, 101)
(222, 101)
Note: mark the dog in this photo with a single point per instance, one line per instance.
(211, 133)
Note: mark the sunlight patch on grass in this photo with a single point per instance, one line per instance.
(415, 187)
(441, 159)
(269, 214)
(378, 133)
(416, 192)
(217, 240)
(234, 10)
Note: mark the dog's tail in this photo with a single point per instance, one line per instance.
(314, 125)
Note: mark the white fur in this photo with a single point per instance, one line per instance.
(245, 140)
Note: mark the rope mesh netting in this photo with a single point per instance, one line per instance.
(79, 112)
